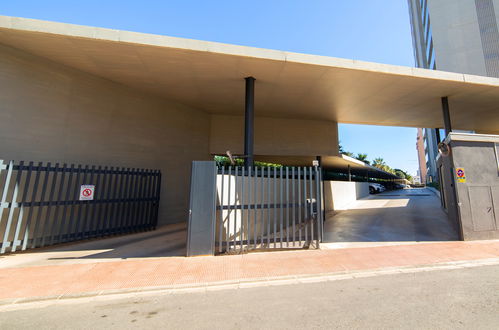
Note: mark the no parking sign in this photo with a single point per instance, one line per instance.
(87, 192)
(460, 175)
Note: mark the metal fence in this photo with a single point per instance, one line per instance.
(268, 208)
(40, 204)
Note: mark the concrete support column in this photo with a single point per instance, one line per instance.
(446, 114)
(349, 173)
(249, 121)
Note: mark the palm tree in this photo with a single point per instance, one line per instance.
(379, 163)
(362, 158)
(348, 153)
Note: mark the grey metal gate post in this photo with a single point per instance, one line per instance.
(202, 212)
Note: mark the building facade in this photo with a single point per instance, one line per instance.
(457, 36)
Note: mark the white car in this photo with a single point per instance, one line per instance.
(375, 188)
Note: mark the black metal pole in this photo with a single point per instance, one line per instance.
(249, 120)
(446, 113)
(437, 134)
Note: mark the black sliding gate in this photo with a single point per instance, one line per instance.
(268, 208)
(40, 204)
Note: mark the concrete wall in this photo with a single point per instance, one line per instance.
(475, 205)
(49, 112)
(338, 195)
(275, 136)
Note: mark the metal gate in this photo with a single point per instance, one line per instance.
(43, 205)
(268, 208)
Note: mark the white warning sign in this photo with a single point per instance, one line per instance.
(87, 192)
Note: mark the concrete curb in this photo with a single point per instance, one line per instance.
(433, 190)
(37, 302)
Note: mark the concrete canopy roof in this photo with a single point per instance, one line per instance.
(337, 164)
(209, 76)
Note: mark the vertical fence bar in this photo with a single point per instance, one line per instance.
(75, 204)
(311, 191)
(287, 206)
(235, 206)
(114, 196)
(89, 206)
(248, 213)
(97, 197)
(32, 207)
(145, 200)
(65, 224)
(139, 199)
(268, 205)
(158, 194)
(300, 207)
(242, 202)
(40, 207)
(255, 205)
(262, 201)
(318, 194)
(48, 220)
(275, 208)
(150, 203)
(57, 205)
(281, 209)
(136, 193)
(294, 203)
(81, 205)
(20, 216)
(305, 199)
(221, 209)
(100, 228)
(3, 201)
(109, 204)
(5, 242)
(128, 217)
(122, 201)
(229, 215)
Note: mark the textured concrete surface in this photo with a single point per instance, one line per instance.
(73, 278)
(401, 215)
(166, 241)
(445, 299)
(209, 76)
(50, 112)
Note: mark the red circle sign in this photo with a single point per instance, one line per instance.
(86, 192)
(460, 173)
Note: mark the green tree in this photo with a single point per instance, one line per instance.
(379, 163)
(362, 158)
(348, 153)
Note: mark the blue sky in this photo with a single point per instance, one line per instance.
(370, 30)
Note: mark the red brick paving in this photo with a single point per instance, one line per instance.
(56, 280)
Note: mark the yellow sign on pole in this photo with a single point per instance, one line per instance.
(460, 175)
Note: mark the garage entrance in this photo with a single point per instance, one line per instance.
(412, 214)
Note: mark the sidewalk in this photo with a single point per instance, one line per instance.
(24, 284)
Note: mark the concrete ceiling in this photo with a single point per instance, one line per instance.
(209, 76)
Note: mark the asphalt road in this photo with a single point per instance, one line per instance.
(451, 299)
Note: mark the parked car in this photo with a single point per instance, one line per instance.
(375, 188)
